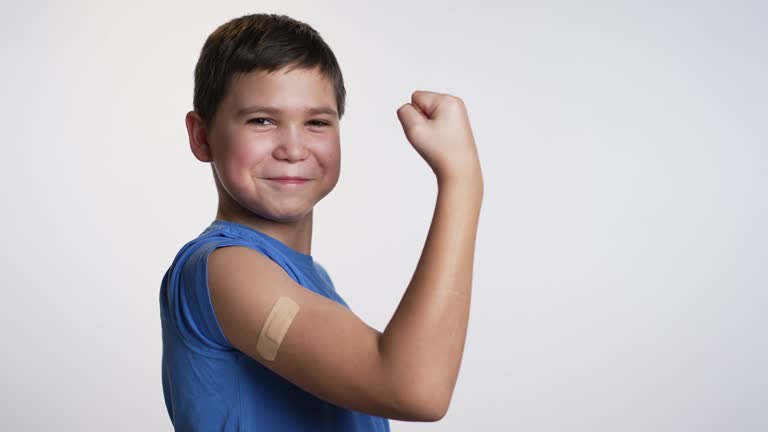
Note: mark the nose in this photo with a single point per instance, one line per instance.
(291, 145)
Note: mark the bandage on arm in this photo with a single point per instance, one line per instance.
(277, 324)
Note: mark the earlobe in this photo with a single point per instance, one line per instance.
(198, 140)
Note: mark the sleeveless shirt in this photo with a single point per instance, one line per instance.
(208, 384)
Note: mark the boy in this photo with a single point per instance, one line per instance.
(255, 337)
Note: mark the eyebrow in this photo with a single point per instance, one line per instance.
(275, 111)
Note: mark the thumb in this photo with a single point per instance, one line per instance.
(410, 116)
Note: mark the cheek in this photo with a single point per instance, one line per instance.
(332, 166)
(330, 155)
(246, 154)
(240, 162)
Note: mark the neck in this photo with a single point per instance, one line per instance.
(295, 234)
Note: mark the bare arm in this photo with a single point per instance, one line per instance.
(424, 342)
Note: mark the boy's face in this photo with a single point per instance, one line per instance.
(265, 128)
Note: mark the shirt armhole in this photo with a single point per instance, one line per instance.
(198, 322)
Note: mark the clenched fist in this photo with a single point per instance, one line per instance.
(437, 126)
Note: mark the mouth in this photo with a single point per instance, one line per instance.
(289, 180)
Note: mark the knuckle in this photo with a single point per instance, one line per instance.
(455, 99)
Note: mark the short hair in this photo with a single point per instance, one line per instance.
(260, 42)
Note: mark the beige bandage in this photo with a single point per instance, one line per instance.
(274, 329)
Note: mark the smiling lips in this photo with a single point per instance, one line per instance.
(289, 180)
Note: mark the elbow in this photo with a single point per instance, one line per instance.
(415, 394)
(421, 405)
(435, 412)
(433, 409)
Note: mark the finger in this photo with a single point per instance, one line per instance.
(426, 101)
(409, 115)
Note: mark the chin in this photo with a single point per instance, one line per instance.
(285, 219)
(286, 215)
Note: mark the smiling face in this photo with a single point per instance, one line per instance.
(270, 125)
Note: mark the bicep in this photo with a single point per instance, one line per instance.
(327, 350)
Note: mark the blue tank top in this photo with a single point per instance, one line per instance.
(208, 384)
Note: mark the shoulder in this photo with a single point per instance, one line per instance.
(323, 272)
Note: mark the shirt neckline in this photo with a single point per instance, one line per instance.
(248, 231)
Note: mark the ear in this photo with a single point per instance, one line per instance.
(198, 137)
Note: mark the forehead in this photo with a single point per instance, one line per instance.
(288, 91)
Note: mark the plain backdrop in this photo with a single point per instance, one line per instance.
(621, 269)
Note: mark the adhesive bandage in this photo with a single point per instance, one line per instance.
(273, 332)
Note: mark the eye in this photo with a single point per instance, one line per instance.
(319, 123)
(257, 121)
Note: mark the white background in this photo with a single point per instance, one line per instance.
(621, 277)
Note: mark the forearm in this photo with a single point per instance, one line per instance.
(423, 343)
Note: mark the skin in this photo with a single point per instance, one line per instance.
(408, 371)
